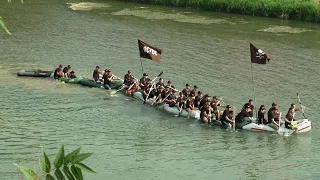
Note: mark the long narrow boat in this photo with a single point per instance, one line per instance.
(35, 73)
(167, 108)
(304, 125)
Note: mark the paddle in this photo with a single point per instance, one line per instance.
(180, 110)
(234, 118)
(301, 106)
(151, 87)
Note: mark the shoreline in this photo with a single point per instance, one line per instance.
(308, 10)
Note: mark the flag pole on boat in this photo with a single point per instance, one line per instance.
(254, 89)
(141, 65)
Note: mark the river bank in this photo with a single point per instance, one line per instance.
(304, 10)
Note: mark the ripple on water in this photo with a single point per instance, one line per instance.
(284, 29)
(87, 6)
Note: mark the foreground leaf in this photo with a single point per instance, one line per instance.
(45, 163)
(4, 26)
(84, 167)
(49, 177)
(59, 159)
(70, 155)
(68, 173)
(29, 173)
(80, 157)
(59, 174)
(77, 173)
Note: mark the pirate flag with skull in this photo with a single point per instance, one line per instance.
(258, 56)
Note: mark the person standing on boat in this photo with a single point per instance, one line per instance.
(243, 114)
(289, 121)
(96, 75)
(194, 90)
(66, 70)
(143, 81)
(72, 75)
(187, 90)
(262, 111)
(226, 119)
(249, 103)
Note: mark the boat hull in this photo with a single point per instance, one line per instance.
(91, 83)
(34, 73)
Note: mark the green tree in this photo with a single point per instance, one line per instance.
(64, 167)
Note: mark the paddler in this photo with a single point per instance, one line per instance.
(187, 90)
(205, 100)
(72, 75)
(181, 101)
(214, 104)
(226, 119)
(262, 111)
(194, 90)
(128, 80)
(147, 90)
(134, 88)
(289, 120)
(190, 105)
(160, 83)
(172, 99)
(143, 81)
(108, 78)
(243, 114)
(169, 84)
(274, 119)
(197, 100)
(96, 75)
(249, 103)
(165, 94)
(205, 115)
(58, 73)
(270, 111)
(66, 70)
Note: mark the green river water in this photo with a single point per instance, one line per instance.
(130, 140)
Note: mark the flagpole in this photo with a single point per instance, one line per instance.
(254, 93)
(141, 65)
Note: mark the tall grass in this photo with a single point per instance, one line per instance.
(306, 10)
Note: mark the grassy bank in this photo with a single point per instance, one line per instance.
(305, 10)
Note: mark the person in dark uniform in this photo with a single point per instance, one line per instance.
(204, 100)
(143, 81)
(214, 104)
(250, 104)
(190, 105)
(226, 119)
(194, 90)
(243, 114)
(197, 100)
(270, 111)
(169, 84)
(289, 121)
(262, 111)
(107, 78)
(187, 90)
(96, 74)
(72, 75)
(205, 115)
(58, 73)
(66, 71)
(128, 80)
(181, 101)
(160, 83)
(274, 118)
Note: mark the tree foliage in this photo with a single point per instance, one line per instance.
(64, 167)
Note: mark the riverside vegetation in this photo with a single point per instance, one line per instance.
(68, 166)
(305, 10)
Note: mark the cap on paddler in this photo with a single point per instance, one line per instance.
(98, 67)
(169, 81)
(274, 104)
(60, 66)
(199, 92)
(228, 106)
(107, 70)
(129, 71)
(145, 74)
(187, 84)
(195, 86)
